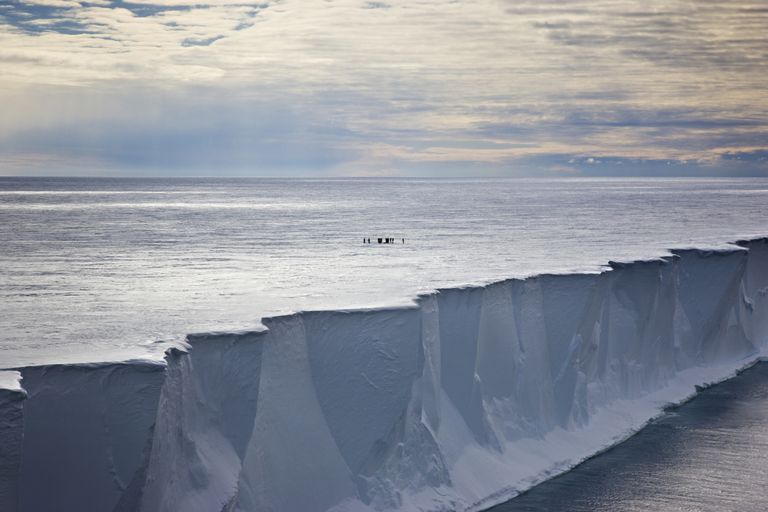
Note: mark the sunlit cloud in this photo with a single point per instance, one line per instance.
(346, 86)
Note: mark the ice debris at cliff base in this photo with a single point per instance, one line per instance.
(456, 403)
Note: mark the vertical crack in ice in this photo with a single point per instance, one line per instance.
(110, 444)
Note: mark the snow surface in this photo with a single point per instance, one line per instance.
(10, 380)
(97, 270)
(456, 402)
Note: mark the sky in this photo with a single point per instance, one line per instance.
(384, 88)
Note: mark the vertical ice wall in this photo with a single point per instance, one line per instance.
(204, 421)
(281, 448)
(754, 304)
(11, 432)
(86, 433)
(454, 403)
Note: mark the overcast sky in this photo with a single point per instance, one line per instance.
(355, 87)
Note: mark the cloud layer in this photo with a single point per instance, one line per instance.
(361, 87)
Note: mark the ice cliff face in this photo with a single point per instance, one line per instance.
(11, 433)
(454, 404)
(85, 433)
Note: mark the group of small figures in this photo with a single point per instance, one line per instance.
(382, 240)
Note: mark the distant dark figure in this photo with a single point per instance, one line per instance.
(403, 240)
(379, 240)
(363, 240)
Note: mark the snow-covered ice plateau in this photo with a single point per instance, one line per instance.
(97, 270)
(455, 400)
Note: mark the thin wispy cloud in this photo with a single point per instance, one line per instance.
(360, 87)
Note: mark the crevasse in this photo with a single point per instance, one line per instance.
(456, 403)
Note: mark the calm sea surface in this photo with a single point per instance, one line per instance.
(105, 268)
(708, 455)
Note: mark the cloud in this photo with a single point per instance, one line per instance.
(205, 41)
(53, 3)
(373, 85)
(190, 132)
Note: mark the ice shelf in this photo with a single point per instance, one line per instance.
(456, 403)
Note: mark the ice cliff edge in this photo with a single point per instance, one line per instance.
(456, 403)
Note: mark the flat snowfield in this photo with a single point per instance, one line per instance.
(111, 269)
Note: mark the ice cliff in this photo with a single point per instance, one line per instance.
(456, 403)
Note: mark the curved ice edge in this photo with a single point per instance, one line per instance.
(662, 407)
(93, 365)
(415, 302)
(197, 408)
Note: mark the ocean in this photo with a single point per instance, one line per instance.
(708, 454)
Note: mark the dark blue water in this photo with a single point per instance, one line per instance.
(710, 454)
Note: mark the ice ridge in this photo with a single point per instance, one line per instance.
(456, 403)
